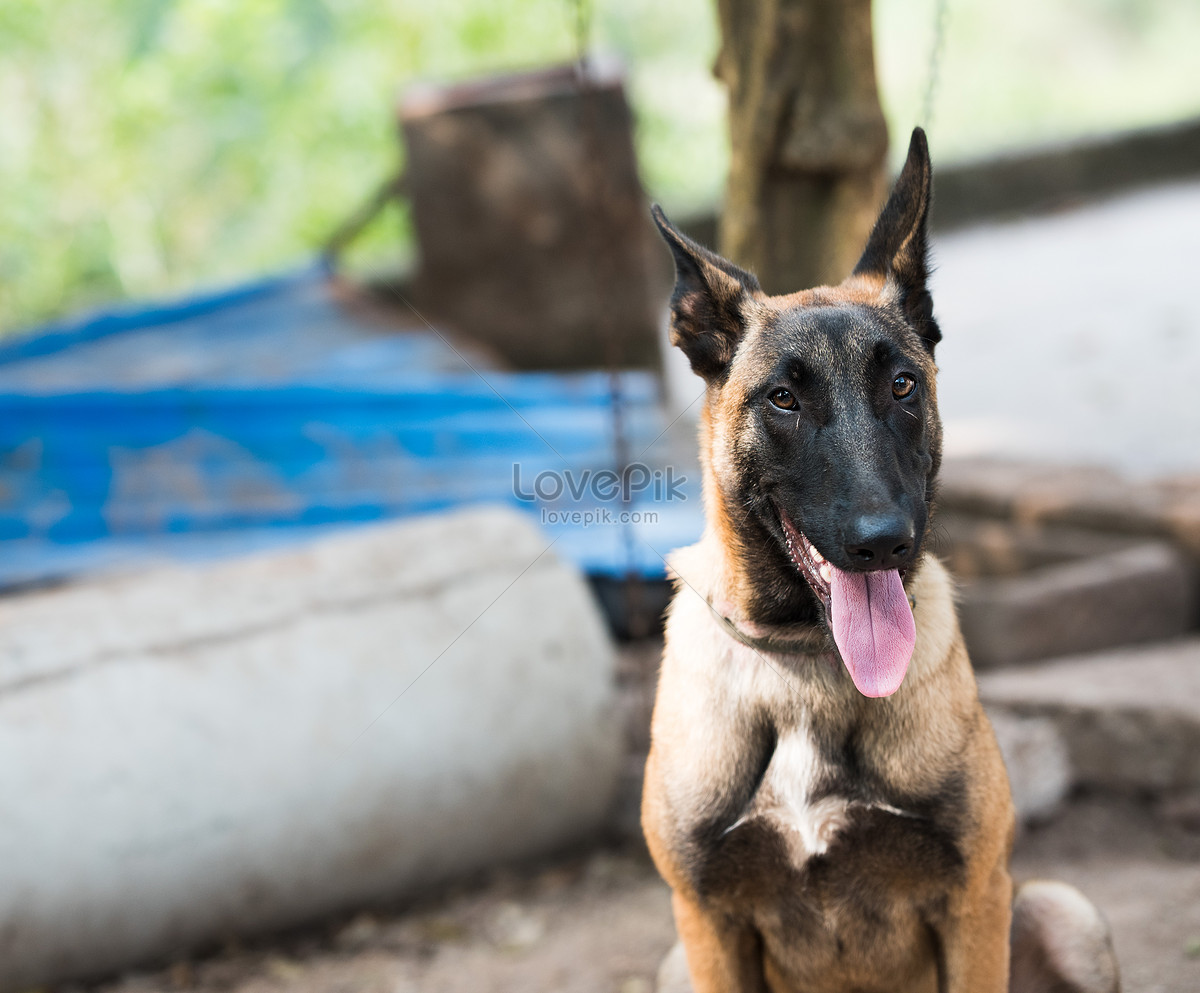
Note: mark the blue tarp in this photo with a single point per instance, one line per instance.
(275, 411)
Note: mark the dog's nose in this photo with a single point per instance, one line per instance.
(879, 541)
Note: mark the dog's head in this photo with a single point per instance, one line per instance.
(821, 434)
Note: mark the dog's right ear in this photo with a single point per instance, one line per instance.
(706, 305)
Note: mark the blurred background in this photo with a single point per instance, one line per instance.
(152, 147)
(341, 448)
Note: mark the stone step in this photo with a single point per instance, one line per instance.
(1128, 719)
(1089, 497)
(1139, 593)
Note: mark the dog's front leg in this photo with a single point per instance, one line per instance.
(975, 939)
(723, 956)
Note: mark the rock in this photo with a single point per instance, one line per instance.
(1039, 768)
(514, 927)
(1130, 718)
(358, 933)
(1182, 811)
(673, 973)
(246, 745)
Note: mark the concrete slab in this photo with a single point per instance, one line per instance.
(1130, 718)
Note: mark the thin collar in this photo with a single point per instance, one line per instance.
(816, 640)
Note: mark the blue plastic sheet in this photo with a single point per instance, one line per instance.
(272, 412)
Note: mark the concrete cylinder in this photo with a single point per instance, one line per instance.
(192, 753)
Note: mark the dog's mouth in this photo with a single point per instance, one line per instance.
(868, 613)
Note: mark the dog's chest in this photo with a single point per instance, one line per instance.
(789, 800)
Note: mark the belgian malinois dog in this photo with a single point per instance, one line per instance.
(824, 793)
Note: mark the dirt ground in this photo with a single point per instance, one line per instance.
(600, 923)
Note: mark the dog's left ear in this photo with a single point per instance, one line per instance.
(706, 306)
(898, 249)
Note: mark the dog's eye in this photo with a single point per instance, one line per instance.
(784, 400)
(903, 386)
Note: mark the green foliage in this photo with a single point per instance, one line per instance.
(150, 146)
(1028, 71)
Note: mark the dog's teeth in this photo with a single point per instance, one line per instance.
(826, 573)
(818, 556)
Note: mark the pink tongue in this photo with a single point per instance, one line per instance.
(873, 627)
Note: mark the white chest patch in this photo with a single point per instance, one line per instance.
(784, 798)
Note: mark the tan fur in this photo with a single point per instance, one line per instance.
(703, 668)
(1060, 942)
(866, 288)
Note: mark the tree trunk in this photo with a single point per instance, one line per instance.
(809, 138)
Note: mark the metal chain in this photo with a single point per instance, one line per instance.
(583, 30)
(935, 62)
(635, 621)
